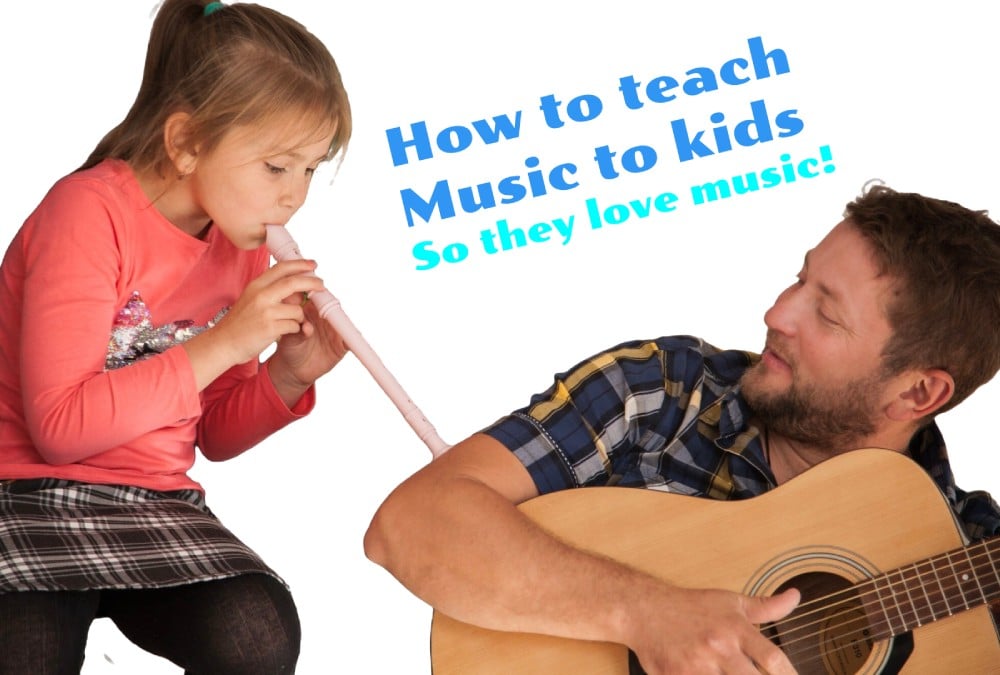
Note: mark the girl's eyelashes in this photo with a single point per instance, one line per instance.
(278, 170)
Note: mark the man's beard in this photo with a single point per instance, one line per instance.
(834, 420)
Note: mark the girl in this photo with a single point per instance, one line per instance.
(134, 304)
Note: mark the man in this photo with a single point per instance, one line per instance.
(892, 320)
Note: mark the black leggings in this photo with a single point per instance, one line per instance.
(246, 624)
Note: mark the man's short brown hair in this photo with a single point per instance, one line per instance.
(946, 259)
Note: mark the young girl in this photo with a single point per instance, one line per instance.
(134, 304)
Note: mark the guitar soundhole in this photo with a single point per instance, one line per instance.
(829, 633)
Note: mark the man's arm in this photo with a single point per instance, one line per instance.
(453, 535)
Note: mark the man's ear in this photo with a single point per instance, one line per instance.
(176, 139)
(923, 393)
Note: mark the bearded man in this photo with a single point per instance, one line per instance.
(892, 320)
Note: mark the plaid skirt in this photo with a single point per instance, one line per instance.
(65, 535)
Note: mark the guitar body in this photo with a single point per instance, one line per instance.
(844, 521)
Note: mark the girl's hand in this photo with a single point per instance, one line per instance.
(302, 357)
(269, 308)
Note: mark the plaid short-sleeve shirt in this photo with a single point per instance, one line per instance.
(667, 414)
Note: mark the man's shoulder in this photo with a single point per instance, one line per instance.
(977, 510)
(685, 355)
(979, 514)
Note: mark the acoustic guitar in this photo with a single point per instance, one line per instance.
(889, 583)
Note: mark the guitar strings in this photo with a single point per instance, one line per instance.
(867, 597)
(854, 629)
(858, 592)
(920, 576)
(851, 631)
(892, 586)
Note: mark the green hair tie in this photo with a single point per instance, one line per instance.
(212, 7)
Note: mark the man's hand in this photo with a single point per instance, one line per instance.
(702, 632)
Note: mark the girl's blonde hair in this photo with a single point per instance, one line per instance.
(234, 65)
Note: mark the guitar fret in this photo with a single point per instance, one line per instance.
(909, 603)
(874, 609)
(919, 579)
(975, 575)
(958, 580)
(882, 597)
(966, 581)
(993, 594)
(944, 593)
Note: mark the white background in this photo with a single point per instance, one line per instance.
(900, 97)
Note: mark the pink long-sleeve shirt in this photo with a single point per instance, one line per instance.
(95, 273)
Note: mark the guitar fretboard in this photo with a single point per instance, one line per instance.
(932, 589)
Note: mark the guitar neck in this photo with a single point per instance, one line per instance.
(917, 594)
